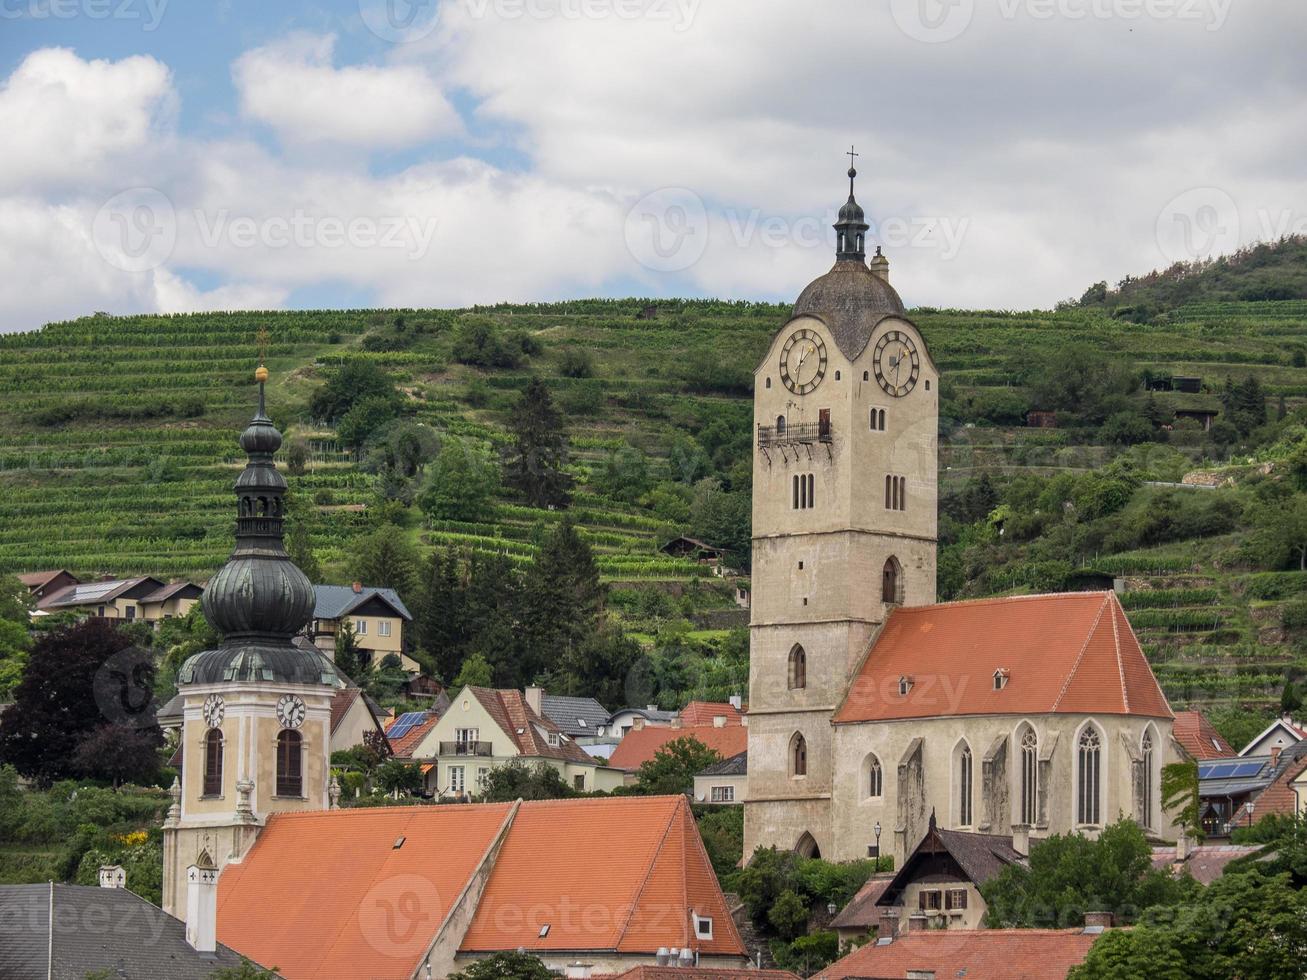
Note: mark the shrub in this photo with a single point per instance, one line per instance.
(576, 362)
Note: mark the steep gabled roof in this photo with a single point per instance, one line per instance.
(703, 713)
(329, 894)
(861, 912)
(575, 716)
(95, 929)
(94, 593)
(405, 745)
(638, 746)
(1294, 733)
(981, 954)
(979, 857)
(168, 591)
(736, 765)
(38, 580)
(509, 710)
(631, 867)
(1199, 738)
(1069, 653)
(335, 601)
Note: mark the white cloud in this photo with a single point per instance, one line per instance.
(293, 87)
(63, 117)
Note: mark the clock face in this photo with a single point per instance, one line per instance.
(290, 711)
(897, 363)
(803, 361)
(213, 710)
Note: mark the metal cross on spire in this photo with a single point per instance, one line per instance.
(852, 154)
(853, 171)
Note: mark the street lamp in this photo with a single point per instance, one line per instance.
(873, 850)
(831, 909)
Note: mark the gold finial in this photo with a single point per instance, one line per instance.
(261, 373)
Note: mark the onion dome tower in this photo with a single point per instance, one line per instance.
(260, 599)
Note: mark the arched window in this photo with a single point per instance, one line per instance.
(964, 786)
(1146, 750)
(891, 581)
(798, 668)
(290, 774)
(780, 425)
(1029, 776)
(213, 762)
(807, 846)
(878, 419)
(875, 777)
(1089, 782)
(798, 755)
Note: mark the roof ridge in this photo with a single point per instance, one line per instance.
(1089, 636)
(995, 599)
(1120, 662)
(644, 883)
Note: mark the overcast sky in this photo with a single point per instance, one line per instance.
(166, 157)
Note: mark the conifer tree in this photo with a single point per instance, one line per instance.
(563, 599)
(537, 460)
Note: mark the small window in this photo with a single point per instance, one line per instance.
(896, 493)
(578, 782)
(930, 900)
(290, 764)
(798, 756)
(1000, 679)
(553, 739)
(837, 376)
(723, 794)
(456, 779)
(928, 386)
(213, 762)
(482, 775)
(905, 685)
(866, 375)
(383, 627)
(875, 778)
(768, 384)
(798, 669)
(956, 899)
(800, 566)
(703, 926)
(361, 627)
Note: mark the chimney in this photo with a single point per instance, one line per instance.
(663, 956)
(1097, 921)
(687, 957)
(534, 699)
(1021, 838)
(719, 721)
(357, 587)
(880, 265)
(888, 926)
(1182, 846)
(676, 722)
(1275, 755)
(112, 876)
(637, 723)
(918, 922)
(737, 702)
(202, 908)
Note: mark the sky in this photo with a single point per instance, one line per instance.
(182, 155)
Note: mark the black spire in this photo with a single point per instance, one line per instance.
(851, 228)
(260, 599)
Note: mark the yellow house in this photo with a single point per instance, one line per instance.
(485, 728)
(377, 616)
(127, 599)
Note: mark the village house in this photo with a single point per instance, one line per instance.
(41, 584)
(723, 782)
(583, 720)
(641, 744)
(1279, 734)
(378, 618)
(1239, 791)
(354, 716)
(624, 720)
(486, 728)
(128, 600)
(1199, 738)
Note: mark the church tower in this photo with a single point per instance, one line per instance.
(256, 725)
(846, 409)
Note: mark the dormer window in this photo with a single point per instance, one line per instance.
(553, 739)
(703, 926)
(1000, 678)
(905, 685)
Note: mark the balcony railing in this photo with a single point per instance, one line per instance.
(799, 434)
(465, 748)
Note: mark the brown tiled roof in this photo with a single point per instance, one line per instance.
(342, 701)
(1279, 797)
(639, 746)
(519, 722)
(1205, 862)
(168, 591)
(402, 747)
(861, 912)
(1201, 740)
(703, 713)
(982, 954)
(328, 894)
(700, 973)
(35, 580)
(1066, 653)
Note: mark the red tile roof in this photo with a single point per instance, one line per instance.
(982, 954)
(402, 747)
(1205, 862)
(861, 912)
(639, 746)
(619, 873)
(700, 973)
(1202, 741)
(1279, 797)
(328, 895)
(703, 713)
(1071, 652)
(520, 723)
(341, 702)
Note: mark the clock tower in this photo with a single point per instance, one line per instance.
(846, 409)
(256, 720)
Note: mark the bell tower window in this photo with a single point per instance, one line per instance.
(892, 581)
(803, 488)
(798, 756)
(290, 764)
(213, 762)
(798, 669)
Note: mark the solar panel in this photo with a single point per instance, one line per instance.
(1249, 769)
(405, 723)
(1229, 770)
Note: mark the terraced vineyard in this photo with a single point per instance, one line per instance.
(117, 439)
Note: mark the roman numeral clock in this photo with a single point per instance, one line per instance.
(803, 361)
(897, 363)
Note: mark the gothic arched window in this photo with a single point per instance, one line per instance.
(780, 425)
(798, 668)
(1029, 776)
(213, 762)
(1089, 778)
(891, 588)
(875, 777)
(290, 768)
(1146, 750)
(964, 786)
(798, 755)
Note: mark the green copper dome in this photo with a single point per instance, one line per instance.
(260, 600)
